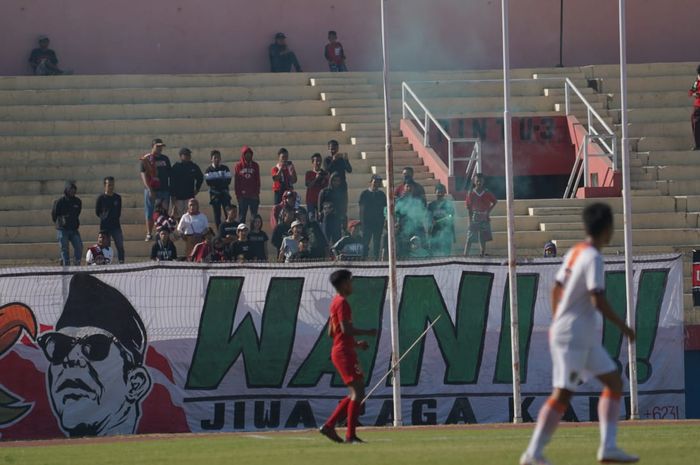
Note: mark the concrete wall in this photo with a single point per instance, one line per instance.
(213, 36)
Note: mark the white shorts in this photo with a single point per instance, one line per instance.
(572, 367)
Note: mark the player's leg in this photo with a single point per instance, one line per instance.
(357, 393)
(340, 412)
(548, 419)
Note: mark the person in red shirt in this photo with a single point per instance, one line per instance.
(284, 175)
(316, 180)
(247, 184)
(344, 357)
(335, 54)
(480, 202)
(695, 118)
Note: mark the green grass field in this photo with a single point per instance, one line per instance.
(668, 444)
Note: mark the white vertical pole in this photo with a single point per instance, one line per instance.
(391, 235)
(627, 212)
(512, 260)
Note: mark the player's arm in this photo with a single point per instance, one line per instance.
(603, 306)
(348, 329)
(557, 292)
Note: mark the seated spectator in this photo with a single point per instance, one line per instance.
(186, 180)
(218, 178)
(411, 215)
(550, 249)
(43, 60)
(161, 219)
(284, 175)
(164, 249)
(350, 247)
(318, 245)
(218, 253)
(418, 191)
(335, 54)
(337, 196)
(281, 58)
(441, 222)
(258, 240)
(100, 253)
(242, 249)
(303, 254)
(416, 249)
(290, 244)
(203, 251)
(316, 180)
(227, 229)
(282, 228)
(290, 200)
(331, 224)
(193, 225)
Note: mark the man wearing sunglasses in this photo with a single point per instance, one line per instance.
(96, 377)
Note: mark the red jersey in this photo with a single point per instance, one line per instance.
(694, 90)
(286, 180)
(340, 311)
(313, 191)
(334, 53)
(480, 202)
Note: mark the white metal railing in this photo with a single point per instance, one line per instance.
(598, 132)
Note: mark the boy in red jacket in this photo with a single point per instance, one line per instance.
(695, 118)
(247, 184)
(335, 54)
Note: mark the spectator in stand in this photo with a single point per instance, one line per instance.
(480, 203)
(203, 251)
(335, 54)
(418, 190)
(695, 117)
(65, 214)
(164, 249)
(228, 230)
(416, 249)
(284, 175)
(43, 60)
(316, 179)
(240, 250)
(290, 199)
(372, 206)
(258, 240)
(192, 226)
(331, 224)
(282, 228)
(411, 215)
(441, 214)
(303, 254)
(350, 247)
(281, 58)
(100, 253)
(162, 220)
(337, 162)
(337, 196)
(155, 175)
(186, 180)
(318, 246)
(218, 178)
(247, 184)
(550, 250)
(108, 209)
(218, 252)
(290, 244)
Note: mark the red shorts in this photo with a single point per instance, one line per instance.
(348, 367)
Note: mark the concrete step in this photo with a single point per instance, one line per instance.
(659, 157)
(674, 172)
(641, 70)
(655, 221)
(678, 98)
(322, 82)
(670, 143)
(371, 128)
(348, 96)
(649, 83)
(672, 129)
(377, 140)
(655, 114)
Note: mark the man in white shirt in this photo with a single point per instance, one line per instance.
(578, 300)
(100, 253)
(192, 226)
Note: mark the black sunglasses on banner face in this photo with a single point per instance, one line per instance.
(57, 346)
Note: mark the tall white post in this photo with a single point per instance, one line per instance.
(391, 233)
(627, 212)
(512, 259)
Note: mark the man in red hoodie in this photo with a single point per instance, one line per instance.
(247, 184)
(695, 118)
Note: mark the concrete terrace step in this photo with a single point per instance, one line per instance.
(666, 143)
(641, 70)
(656, 221)
(680, 157)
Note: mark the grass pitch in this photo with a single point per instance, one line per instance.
(662, 444)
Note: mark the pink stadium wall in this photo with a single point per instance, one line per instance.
(198, 36)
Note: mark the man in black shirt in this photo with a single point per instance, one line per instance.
(372, 205)
(241, 250)
(43, 60)
(163, 250)
(281, 58)
(228, 230)
(337, 162)
(66, 216)
(108, 209)
(282, 228)
(186, 179)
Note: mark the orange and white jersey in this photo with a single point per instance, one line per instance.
(577, 322)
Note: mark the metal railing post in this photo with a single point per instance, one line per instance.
(585, 161)
(614, 153)
(567, 101)
(403, 100)
(588, 114)
(478, 156)
(450, 158)
(426, 136)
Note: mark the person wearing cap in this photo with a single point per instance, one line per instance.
(100, 253)
(241, 250)
(155, 176)
(281, 58)
(441, 223)
(96, 378)
(372, 204)
(186, 180)
(350, 247)
(192, 226)
(290, 244)
(65, 214)
(218, 177)
(43, 60)
(316, 179)
(247, 184)
(163, 249)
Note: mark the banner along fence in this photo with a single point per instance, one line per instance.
(174, 348)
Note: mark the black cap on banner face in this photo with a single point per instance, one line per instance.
(92, 302)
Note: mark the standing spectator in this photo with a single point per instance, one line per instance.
(290, 199)
(281, 58)
(108, 209)
(155, 175)
(316, 179)
(186, 180)
(331, 225)
(480, 203)
(290, 244)
(282, 228)
(335, 54)
(240, 250)
(411, 215)
(351, 246)
(43, 60)
(218, 178)
(228, 229)
(192, 226)
(258, 239)
(337, 196)
(695, 118)
(100, 253)
(337, 162)
(65, 214)
(203, 251)
(284, 175)
(417, 190)
(247, 184)
(372, 206)
(318, 246)
(441, 213)
(164, 249)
